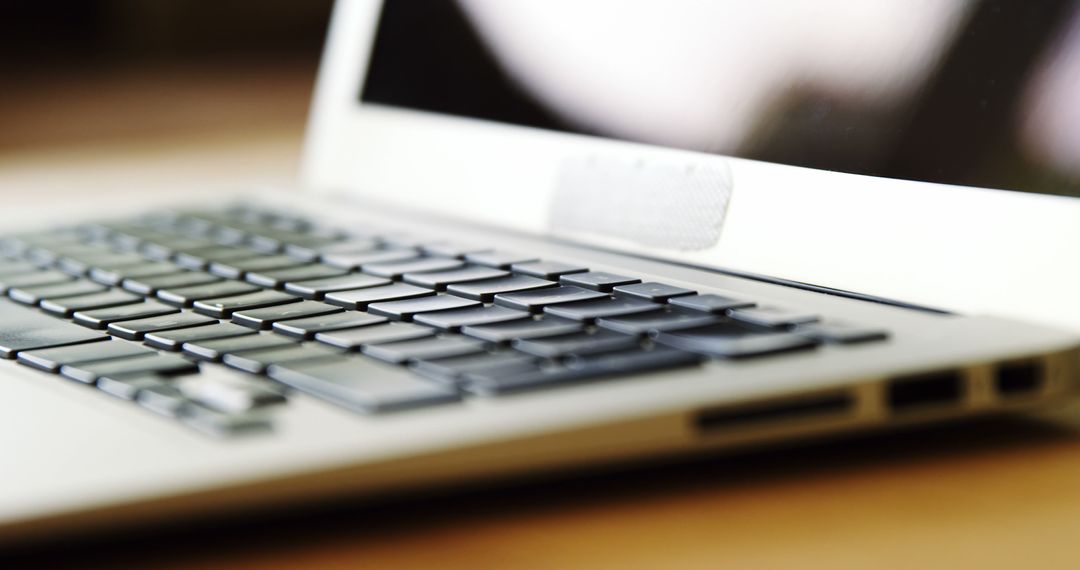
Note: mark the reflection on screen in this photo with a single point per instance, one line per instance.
(956, 91)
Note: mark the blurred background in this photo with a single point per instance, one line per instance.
(80, 74)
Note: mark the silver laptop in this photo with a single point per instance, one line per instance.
(534, 236)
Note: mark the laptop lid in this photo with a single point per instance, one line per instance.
(923, 151)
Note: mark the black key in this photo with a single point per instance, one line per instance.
(222, 307)
(34, 295)
(239, 268)
(113, 276)
(25, 329)
(166, 400)
(275, 241)
(361, 384)
(230, 392)
(499, 259)
(199, 259)
(454, 319)
(406, 309)
(536, 300)
(353, 339)
(52, 359)
(128, 387)
(174, 340)
(547, 269)
(137, 329)
(646, 323)
(216, 349)
(67, 306)
(652, 291)
(841, 333)
(318, 288)
(423, 349)
(441, 279)
(597, 280)
(505, 332)
(10, 268)
(577, 343)
(265, 318)
(100, 318)
(150, 285)
(450, 370)
(773, 317)
(82, 264)
(354, 260)
(156, 363)
(170, 246)
(450, 249)
(257, 361)
(222, 424)
(395, 269)
(36, 279)
(486, 290)
(578, 369)
(729, 340)
(589, 311)
(711, 303)
(313, 253)
(277, 279)
(187, 296)
(360, 298)
(306, 329)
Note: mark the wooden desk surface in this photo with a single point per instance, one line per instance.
(994, 494)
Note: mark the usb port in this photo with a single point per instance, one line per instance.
(931, 390)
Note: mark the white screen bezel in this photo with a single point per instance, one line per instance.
(959, 248)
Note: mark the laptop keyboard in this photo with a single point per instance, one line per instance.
(215, 317)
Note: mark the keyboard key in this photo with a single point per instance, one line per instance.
(113, 276)
(67, 306)
(200, 259)
(160, 364)
(597, 280)
(174, 339)
(841, 333)
(82, 264)
(353, 339)
(532, 328)
(451, 249)
(773, 317)
(237, 269)
(486, 290)
(646, 323)
(277, 279)
(216, 349)
(256, 361)
(128, 387)
(578, 369)
(589, 311)
(305, 329)
(423, 349)
(454, 319)
(36, 279)
(166, 400)
(711, 303)
(227, 391)
(265, 318)
(318, 288)
(187, 296)
(151, 285)
(360, 298)
(441, 279)
(729, 340)
(551, 270)
(100, 318)
(395, 269)
(577, 343)
(355, 260)
(138, 328)
(362, 385)
(223, 307)
(498, 259)
(22, 328)
(222, 424)
(10, 268)
(452, 369)
(535, 301)
(313, 253)
(171, 246)
(652, 291)
(52, 359)
(405, 310)
(34, 295)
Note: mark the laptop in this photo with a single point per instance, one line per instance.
(538, 236)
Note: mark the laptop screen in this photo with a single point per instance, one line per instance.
(977, 93)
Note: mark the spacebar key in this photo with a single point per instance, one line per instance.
(22, 328)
